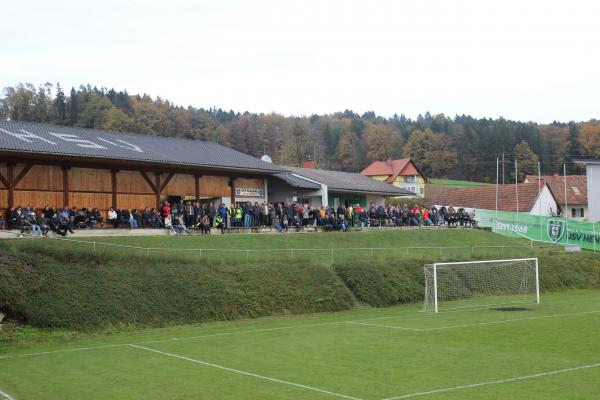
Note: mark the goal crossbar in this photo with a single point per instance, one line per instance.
(432, 278)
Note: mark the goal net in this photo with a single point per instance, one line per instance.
(469, 284)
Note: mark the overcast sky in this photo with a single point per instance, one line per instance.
(525, 60)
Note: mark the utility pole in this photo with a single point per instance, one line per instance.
(503, 168)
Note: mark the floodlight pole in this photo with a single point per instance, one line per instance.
(435, 293)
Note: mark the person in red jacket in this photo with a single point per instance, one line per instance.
(166, 210)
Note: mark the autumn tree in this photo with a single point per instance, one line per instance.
(526, 161)
(348, 152)
(589, 138)
(432, 152)
(382, 142)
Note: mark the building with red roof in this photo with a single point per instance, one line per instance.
(576, 201)
(402, 173)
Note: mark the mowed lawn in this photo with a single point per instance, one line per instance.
(315, 247)
(549, 351)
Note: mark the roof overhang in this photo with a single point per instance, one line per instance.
(115, 163)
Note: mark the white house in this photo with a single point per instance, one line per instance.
(593, 188)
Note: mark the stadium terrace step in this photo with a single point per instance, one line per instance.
(106, 232)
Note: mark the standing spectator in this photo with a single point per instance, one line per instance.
(113, 218)
(166, 210)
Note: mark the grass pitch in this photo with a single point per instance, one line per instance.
(550, 351)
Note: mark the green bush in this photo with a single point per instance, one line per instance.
(384, 282)
(83, 291)
(396, 281)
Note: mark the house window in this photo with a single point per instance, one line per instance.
(410, 179)
(577, 213)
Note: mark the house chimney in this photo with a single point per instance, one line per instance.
(311, 164)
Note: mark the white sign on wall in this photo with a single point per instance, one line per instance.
(250, 192)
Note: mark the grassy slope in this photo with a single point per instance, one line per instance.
(368, 362)
(386, 238)
(456, 183)
(54, 286)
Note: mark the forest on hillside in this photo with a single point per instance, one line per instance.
(461, 147)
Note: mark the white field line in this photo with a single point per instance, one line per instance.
(209, 335)
(237, 371)
(385, 326)
(502, 321)
(474, 385)
(5, 396)
(61, 351)
(356, 322)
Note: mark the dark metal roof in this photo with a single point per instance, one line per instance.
(297, 181)
(587, 161)
(28, 137)
(349, 182)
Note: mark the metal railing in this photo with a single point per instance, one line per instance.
(330, 253)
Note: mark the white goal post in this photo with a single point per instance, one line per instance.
(470, 284)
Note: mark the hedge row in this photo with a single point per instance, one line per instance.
(77, 290)
(391, 282)
(85, 292)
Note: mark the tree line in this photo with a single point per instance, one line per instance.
(462, 147)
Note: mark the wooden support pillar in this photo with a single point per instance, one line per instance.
(232, 186)
(115, 187)
(12, 181)
(11, 187)
(157, 190)
(197, 184)
(66, 185)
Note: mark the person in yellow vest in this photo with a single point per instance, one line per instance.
(350, 215)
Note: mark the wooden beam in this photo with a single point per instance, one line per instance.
(22, 174)
(148, 181)
(11, 189)
(232, 186)
(156, 192)
(197, 183)
(114, 184)
(66, 185)
(4, 180)
(166, 182)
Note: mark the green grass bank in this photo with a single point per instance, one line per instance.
(48, 286)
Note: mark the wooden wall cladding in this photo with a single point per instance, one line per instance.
(133, 182)
(250, 183)
(40, 177)
(179, 185)
(101, 201)
(3, 199)
(30, 198)
(131, 201)
(214, 186)
(92, 180)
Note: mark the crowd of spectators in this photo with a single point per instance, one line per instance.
(182, 217)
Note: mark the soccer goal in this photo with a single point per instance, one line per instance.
(472, 284)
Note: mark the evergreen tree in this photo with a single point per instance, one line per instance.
(60, 106)
(73, 108)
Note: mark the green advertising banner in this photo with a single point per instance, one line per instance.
(542, 229)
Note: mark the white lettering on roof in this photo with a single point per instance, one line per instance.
(127, 144)
(30, 137)
(75, 139)
(27, 136)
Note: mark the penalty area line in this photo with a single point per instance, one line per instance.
(500, 381)
(5, 396)
(251, 374)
